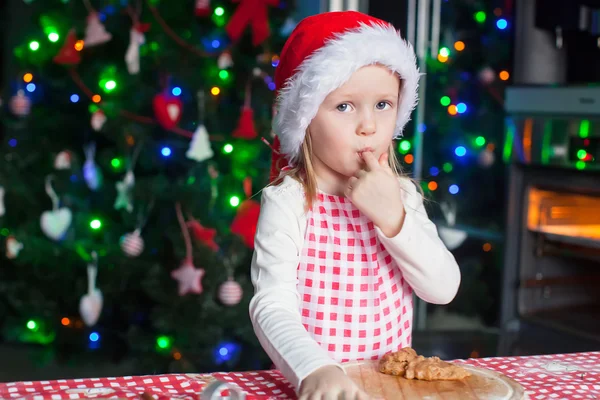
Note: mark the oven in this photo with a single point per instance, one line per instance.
(551, 276)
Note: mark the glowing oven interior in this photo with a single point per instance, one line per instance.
(564, 214)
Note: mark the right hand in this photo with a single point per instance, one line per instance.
(330, 382)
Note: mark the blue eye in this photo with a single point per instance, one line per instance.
(382, 104)
(342, 107)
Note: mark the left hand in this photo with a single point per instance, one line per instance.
(376, 192)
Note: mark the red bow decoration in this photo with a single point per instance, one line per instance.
(67, 55)
(204, 235)
(244, 223)
(253, 13)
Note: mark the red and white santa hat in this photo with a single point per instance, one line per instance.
(320, 55)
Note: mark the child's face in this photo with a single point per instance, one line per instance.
(359, 116)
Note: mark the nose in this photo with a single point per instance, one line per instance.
(367, 125)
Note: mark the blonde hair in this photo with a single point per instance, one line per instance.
(304, 171)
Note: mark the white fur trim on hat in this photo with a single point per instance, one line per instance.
(330, 67)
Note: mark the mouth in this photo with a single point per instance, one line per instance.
(364, 150)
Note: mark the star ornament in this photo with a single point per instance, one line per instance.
(189, 278)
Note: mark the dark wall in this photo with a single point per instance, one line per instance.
(392, 11)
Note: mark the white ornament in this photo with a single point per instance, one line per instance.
(256, 72)
(124, 187)
(95, 33)
(200, 149)
(98, 119)
(486, 158)
(230, 292)
(90, 305)
(55, 223)
(225, 61)
(132, 244)
(13, 247)
(451, 236)
(91, 173)
(132, 57)
(2, 207)
(63, 160)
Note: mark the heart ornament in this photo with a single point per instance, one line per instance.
(167, 110)
(90, 305)
(55, 222)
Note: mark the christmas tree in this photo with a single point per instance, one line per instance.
(132, 152)
(461, 147)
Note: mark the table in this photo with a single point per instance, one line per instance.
(560, 376)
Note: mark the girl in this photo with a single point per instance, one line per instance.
(342, 240)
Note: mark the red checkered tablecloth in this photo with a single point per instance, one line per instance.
(561, 376)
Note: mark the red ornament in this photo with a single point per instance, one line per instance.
(168, 110)
(246, 219)
(67, 54)
(244, 223)
(245, 128)
(204, 235)
(253, 13)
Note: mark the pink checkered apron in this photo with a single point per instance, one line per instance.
(354, 301)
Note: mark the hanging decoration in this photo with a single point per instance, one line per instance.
(200, 149)
(486, 158)
(98, 119)
(132, 243)
(2, 207)
(68, 55)
(91, 172)
(225, 61)
(188, 276)
(167, 110)
(246, 129)
(451, 236)
(125, 187)
(136, 39)
(20, 104)
(246, 219)
(202, 8)
(95, 33)
(204, 235)
(62, 161)
(213, 173)
(230, 292)
(253, 14)
(90, 305)
(13, 247)
(56, 222)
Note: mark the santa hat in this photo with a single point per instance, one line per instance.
(321, 54)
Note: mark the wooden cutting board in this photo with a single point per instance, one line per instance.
(482, 384)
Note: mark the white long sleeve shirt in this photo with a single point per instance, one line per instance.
(290, 334)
